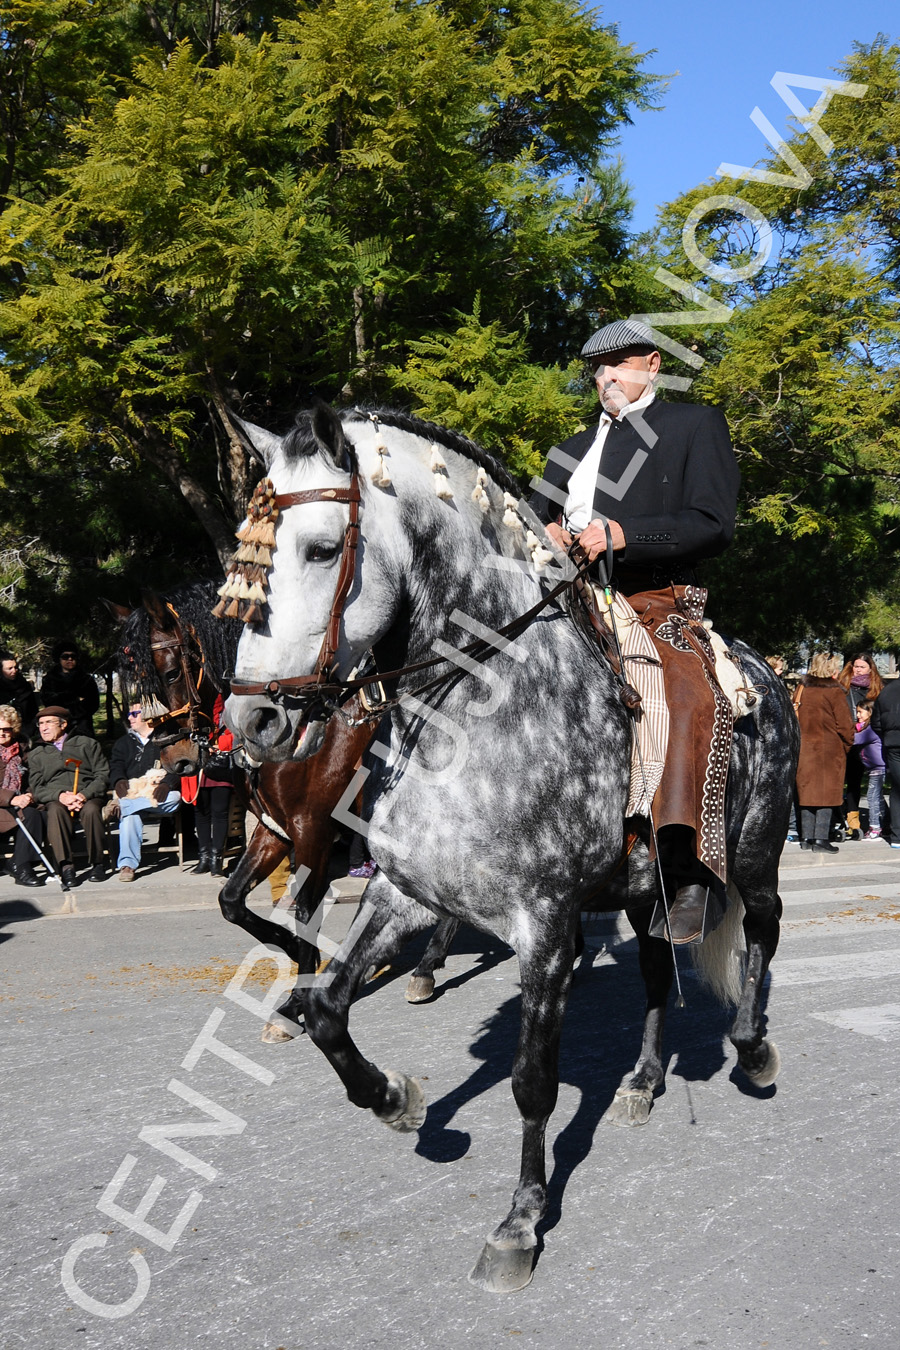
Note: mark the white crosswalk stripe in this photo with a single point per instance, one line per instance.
(882, 1023)
(872, 965)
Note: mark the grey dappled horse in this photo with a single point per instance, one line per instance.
(497, 798)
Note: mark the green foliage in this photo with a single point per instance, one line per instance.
(210, 211)
(805, 370)
(479, 380)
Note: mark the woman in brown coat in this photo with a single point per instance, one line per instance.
(826, 734)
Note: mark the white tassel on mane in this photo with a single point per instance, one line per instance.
(441, 481)
(511, 514)
(379, 475)
(480, 493)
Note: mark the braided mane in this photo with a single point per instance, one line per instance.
(217, 640)
(451, 440)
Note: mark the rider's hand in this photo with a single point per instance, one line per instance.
(561, 538)
(593, 538)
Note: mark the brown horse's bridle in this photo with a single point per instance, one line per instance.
(193, 709)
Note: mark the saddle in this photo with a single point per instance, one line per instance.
(677, 667)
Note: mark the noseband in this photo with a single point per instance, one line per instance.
(307, 688)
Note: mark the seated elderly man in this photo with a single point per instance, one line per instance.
(69, 776)
(141, 793)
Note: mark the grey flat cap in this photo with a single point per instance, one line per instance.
(616, 336)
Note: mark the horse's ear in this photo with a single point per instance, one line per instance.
(329, 433)
(262, 445)
(156, 608)
(121, 613)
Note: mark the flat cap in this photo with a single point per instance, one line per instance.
(55, 711)
(615, 337)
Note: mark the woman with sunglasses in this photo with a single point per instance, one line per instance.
(70, 686)
(15, 800)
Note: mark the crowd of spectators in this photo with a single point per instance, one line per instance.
(849, 720)
(56, 780)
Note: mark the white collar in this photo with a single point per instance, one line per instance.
(643, 402)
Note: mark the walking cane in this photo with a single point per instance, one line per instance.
(77, 763)
(34, 844)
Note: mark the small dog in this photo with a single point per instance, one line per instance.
(143, 786)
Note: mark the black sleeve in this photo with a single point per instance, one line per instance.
(704, 526)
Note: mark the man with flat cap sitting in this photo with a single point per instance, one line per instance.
(663, 478)
(52, 766)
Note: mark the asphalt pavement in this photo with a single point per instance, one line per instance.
(169, 1181)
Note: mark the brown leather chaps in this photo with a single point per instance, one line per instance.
(692, 790)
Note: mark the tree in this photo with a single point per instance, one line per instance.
(805, 370)
(287, 208)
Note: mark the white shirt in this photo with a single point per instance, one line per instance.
(579, 510)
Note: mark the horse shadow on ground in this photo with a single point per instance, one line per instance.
(16, 911)
(600, 1043)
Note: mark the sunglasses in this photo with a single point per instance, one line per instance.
(6, 731)
(136, 712)
(69, 656)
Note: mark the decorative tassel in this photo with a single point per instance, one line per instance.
(510, 515)
(442, 485)
(233, 611)
(437, 459)
(480, 495)
(379, 475)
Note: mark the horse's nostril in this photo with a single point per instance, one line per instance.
(267, 726)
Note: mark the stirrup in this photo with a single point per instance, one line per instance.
(696, 911)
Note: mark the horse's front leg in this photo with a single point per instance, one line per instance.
(262, 855)
(507, 1260)
(421, 981)
(386, 919)
(634, 1098)
(757, 1056)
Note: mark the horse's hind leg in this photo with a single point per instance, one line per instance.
(758, 1057)
(634, 1098)
(421, 981)
(507, 1259)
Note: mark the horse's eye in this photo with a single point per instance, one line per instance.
(173, 676)
(321, 552)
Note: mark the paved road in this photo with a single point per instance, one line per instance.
(734, 1219)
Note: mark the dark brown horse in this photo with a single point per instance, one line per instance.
(173, 651)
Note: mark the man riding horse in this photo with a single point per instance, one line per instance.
(658, 482)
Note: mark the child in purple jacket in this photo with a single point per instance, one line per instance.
(873, 762)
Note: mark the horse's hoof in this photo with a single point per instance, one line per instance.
(769, 1071)
(502, 1270)
(274, 1034)
(420, 988)
(630, 1106)
(409, 1114)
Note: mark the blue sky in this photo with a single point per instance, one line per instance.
(726, 55)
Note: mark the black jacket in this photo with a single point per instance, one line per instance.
(679, 497)
(19, 694)
(130, 759)
(76, 692)
(886, 715)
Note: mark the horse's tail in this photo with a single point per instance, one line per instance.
(719, 959)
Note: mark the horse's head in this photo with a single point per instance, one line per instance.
(319, 618)
(162, 662)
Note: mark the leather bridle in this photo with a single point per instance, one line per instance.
(323, 687)
(322, 681)
(193, 708)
